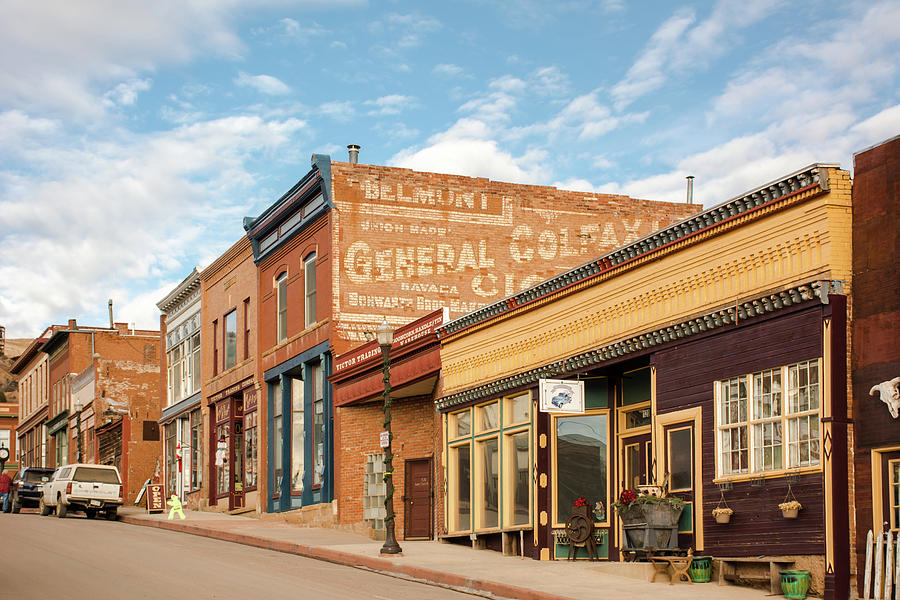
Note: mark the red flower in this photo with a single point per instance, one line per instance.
(581, 501)
(627, 496)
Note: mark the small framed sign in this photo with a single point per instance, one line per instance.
(562, 396)
(385, 439)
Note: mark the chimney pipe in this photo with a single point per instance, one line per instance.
(353, 149)
(112, 325)
(690, 189)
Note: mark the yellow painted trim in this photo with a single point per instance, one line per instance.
(891, 494)
(673, 418)
(825, 433)
(534, 470)
(545, 553)
(543, 480)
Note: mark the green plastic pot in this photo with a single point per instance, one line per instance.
(701, 569)
(795, 584)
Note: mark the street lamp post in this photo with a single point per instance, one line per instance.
(385, 338)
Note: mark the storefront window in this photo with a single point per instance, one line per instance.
(489, 505)
(171, 463)
(230, 339)
(581, 462)
(318, 425)
(250, 449)
(492, 488)
(277, 439)
(297, 434)
(196, 450)
(223, 470)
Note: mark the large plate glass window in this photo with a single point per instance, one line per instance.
(581, 461)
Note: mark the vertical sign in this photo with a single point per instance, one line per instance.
(156, 502)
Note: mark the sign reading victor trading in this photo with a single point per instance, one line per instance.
(562, 395)
(418, 242)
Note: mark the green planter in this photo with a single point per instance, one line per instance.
(795, 584)
(701, 569)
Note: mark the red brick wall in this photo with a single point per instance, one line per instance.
(409, 243)
(414, 424)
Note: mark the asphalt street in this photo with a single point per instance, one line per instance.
(77, 558)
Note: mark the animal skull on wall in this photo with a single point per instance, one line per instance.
(889, 392)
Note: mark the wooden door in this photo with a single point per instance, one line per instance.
(680, 469)
(417, 499)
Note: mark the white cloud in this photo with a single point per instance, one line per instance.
(392, 104)
(676, 47)
(126, 93)
(402, 32)
(87, 221)
(466, 149)
(339, 111)
(264, 84)
(447, 70)
(94, 43)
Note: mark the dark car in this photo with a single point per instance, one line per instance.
(26, 487)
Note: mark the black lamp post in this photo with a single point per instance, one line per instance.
(385, 337)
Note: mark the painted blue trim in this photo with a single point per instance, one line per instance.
(279, 390)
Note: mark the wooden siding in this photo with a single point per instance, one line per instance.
(685, 378)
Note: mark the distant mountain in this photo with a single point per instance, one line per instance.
(9, 386)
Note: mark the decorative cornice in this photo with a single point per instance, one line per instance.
(727, 315)
(182, 291)
(811, 179)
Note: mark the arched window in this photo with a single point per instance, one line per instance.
(281, 294)
(309, 277)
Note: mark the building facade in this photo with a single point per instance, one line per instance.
(181, 377)
(33, 371)
(351, 245)
(230, 380)
(875, 360)
(104, 389)
(708, 358)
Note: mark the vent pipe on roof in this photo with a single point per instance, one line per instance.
(690, 189)
(112, 325)
(353, 149)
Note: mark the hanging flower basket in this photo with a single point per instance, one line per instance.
(722, 515)
(791, 509)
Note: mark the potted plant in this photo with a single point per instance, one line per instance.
(722, 514)
(790, 509)
(649, 520)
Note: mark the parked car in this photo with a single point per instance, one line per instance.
(26, 487)
(88, 488)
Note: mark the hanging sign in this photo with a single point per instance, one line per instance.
(385, 439)
(562, 396)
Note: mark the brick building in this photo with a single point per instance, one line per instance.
(351, 245)
(181, 378)
(104, 389)
(230, 380)
(33, 371)
(875, 359)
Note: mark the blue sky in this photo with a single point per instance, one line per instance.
(134, 136)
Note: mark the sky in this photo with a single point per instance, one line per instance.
(135, 136)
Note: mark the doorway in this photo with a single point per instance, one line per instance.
(418, 494)
(637, 455)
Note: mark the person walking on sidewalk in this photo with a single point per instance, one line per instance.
(5, 482)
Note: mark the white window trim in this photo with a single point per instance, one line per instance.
(785, 418)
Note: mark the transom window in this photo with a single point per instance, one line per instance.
(768, 421)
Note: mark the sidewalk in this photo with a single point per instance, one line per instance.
(484, 572)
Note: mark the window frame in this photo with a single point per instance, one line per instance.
(784, 418)
(229, 339)
(309, 291)
(281, 307)
(476, 439)
(554, 461)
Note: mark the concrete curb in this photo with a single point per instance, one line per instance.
(368, 563)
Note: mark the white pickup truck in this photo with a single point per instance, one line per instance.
(88, 488)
